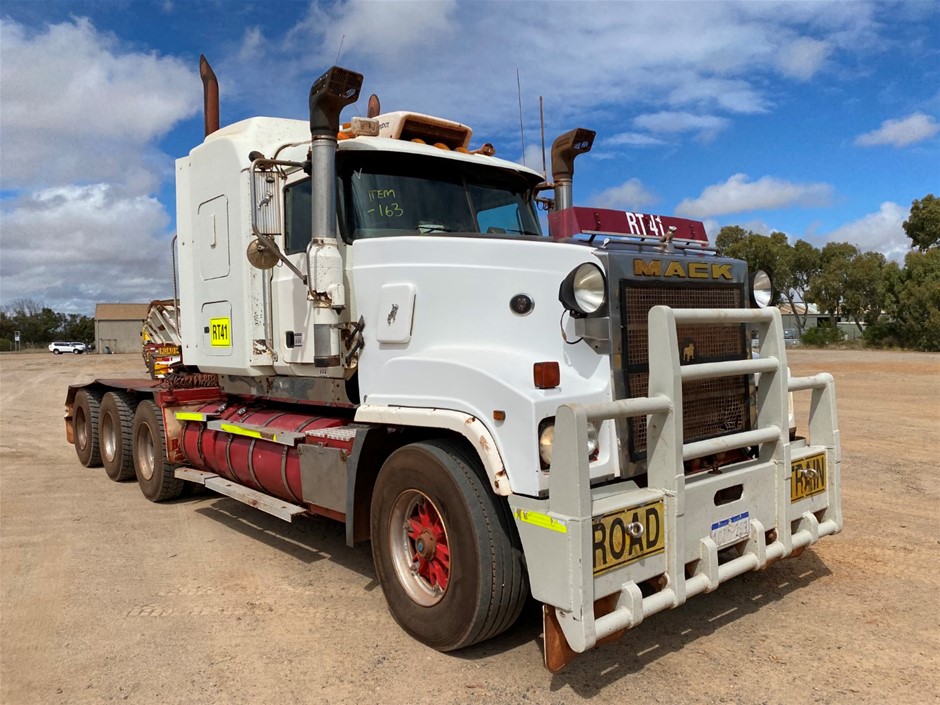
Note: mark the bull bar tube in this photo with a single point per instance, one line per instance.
(557, 532)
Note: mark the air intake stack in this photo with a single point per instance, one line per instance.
(565, 149)
(330, 93)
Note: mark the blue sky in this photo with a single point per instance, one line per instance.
(819, 119)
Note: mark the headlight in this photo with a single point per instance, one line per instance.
(761, 289)
(584, 290)
(547, 439)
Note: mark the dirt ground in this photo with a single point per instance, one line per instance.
(107, 598)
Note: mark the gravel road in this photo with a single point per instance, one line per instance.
(107, 598)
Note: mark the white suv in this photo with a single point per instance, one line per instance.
(58, 348)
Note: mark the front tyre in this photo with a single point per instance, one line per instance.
(445, 548)
(154, 476)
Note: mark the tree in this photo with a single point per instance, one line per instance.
(728, 236)
(923, 224)
(802, 263)
(39, 324)
(829, 286)
(912, 300)
(769, 253)
(864, 294)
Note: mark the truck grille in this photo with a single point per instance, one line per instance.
(713, 407)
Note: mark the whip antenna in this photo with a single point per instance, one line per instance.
(521, 128)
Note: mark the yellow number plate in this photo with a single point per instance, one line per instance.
(627, 535)
(220, 332)
(807, 477)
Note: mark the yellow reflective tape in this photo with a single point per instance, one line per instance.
(542, 520)
(239, 431)
(190, 416)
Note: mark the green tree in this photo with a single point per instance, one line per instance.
(923, 224)
(828, 287)
(912, 300)
(769, 253)
(863, 298)
(728, 236)
(801, 263)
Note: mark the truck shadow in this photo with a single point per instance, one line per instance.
(307, 539)
(666, 632)
(312, 539)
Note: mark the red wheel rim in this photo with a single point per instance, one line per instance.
(420, 548)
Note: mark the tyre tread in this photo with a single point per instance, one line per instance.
(165, 484)
(92, 400)
(124, 404)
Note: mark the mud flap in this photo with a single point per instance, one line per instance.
(554, 645)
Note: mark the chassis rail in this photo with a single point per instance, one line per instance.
(561, 558)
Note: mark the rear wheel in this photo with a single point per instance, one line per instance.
(153, 474)
(444, 547)
(115, 428)
(85, 427)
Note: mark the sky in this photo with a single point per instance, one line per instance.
(817, 119)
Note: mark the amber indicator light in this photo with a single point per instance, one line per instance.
(547, 375)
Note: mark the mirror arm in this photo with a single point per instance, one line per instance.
(267, 242)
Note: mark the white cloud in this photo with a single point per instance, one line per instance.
(707, 59)
(631, 195)
(901, 132)
(706, 126)
(738, 195)
(77, 107)
(803, 57)
(633, 139)
(881, 231)
(77, 246)
(80, 122)
(733, 95)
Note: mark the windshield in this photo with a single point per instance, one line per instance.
(386, 194)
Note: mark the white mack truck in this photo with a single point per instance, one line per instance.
(374, 329)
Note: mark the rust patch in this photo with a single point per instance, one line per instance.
(484, 444)
(470, 420)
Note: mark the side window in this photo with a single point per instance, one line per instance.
(297, 217)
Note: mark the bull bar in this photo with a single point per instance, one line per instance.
(557, 532)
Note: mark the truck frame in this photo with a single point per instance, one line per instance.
(579, 417)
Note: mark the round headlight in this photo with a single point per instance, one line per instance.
(546, 438)
(591, 440)
(761, 289)
(584, 290)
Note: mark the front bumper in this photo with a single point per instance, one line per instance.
(715, 526)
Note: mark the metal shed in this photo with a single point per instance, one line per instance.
(118, 326)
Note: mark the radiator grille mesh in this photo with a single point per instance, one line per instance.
(710, 408)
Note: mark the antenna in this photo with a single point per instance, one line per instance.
(340, 50)
(521, 128)
(542, 126)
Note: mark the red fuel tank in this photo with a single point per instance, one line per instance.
(272, 468)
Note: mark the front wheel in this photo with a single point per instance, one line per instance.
(445, 548)
(153, 474)
(56, 352)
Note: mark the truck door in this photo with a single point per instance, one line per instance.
(293, 326)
